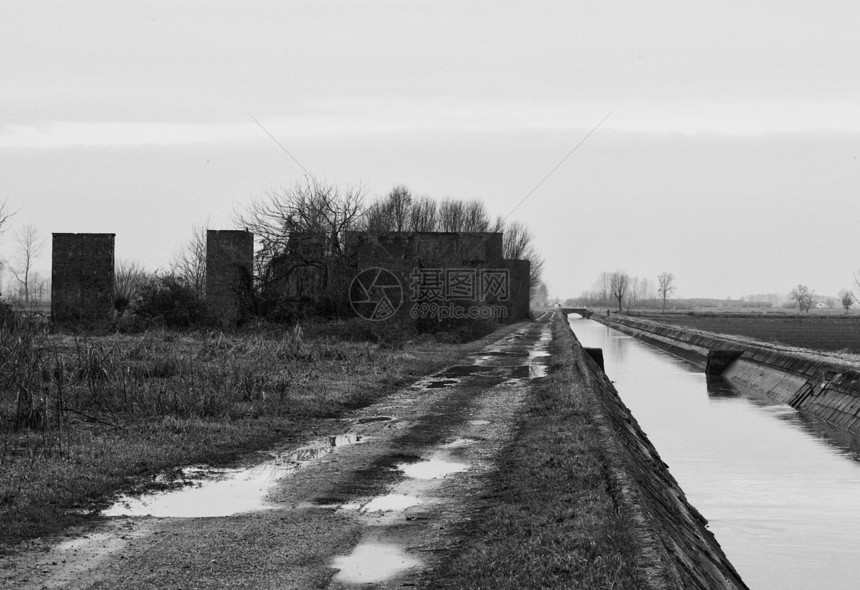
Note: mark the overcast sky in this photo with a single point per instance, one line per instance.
(729, 159)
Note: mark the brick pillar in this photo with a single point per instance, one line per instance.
(82, 277)
(520, 300)
(229, 272)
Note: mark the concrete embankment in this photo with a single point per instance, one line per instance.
(675, 547)
(828, 391)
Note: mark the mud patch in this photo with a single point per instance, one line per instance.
(463, 371)
(371, 419)
(439, 383)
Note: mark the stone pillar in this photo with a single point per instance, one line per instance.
(82, 277)
(520, 299)
(229, 274)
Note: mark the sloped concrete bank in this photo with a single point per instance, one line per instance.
(828, 391)
(676, 549)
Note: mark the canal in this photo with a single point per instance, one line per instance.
(781, 491)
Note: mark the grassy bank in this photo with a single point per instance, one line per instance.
(550, 518)
(82, 417)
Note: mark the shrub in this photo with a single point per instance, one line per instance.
(171, 302)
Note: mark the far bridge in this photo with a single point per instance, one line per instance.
(583, 311)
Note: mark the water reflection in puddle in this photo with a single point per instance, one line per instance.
(229, 492)
(390, 502)
(431, 468)
(212, 492)
(479, 422)
(538, 371)
(530, 371)
(371, 563)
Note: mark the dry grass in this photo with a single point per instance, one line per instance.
(81, 417)
(549, 519)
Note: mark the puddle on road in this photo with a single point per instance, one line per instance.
(389, 503)
(479, 422)
(538, 371)
(371, 563)
(230, 492)
(431, 469)
(533, 371)
(213, 492)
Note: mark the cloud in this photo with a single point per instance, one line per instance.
(372, 116)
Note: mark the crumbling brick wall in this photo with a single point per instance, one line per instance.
(229, 278)
(443, 277)
(82, 277)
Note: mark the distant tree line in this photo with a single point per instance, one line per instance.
(620, 291)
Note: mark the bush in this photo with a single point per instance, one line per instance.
(169, 301)
(7, 315)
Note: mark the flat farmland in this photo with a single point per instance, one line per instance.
(816, 332)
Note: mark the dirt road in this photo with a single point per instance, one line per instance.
(374, 499)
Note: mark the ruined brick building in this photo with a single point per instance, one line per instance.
(417, 275)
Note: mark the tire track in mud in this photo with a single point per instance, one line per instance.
(378, 504)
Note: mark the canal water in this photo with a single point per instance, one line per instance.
(780, 490)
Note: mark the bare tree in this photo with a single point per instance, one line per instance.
(377, 219)
(640, 293)
(189, 261)
(846, 298)
(392, 213)
(618, 283)
(41, 287)
(665, 286)
(311, 207)
(603, 287)
(400, 206)
(28, 247)
(422, 216)
(475, 217)
(857, 283)
(541, 296)
(5, 217)
(451, 215)
(804, 297)
(518, 244)
(129, 278)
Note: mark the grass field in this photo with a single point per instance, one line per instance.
(829, 332)
(82, 417)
